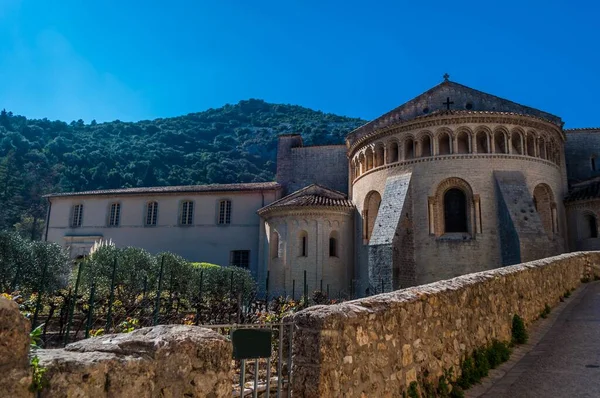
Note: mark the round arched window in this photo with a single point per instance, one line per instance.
(455, 211)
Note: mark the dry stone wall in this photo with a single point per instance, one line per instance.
(161, 361)
(14, 348)
(375, 347)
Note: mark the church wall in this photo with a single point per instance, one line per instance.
(580, 147)
(298, 166)
(205, 240)
(440, 258)
(289, 264)
(579, 228)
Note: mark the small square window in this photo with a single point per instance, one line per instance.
(240, 258)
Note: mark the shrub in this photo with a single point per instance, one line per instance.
(519, 333)
(457, 392)
(413, 391)
(22, 263)
(546, 311)
(497, 353)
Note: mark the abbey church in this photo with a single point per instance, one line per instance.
(452, 182)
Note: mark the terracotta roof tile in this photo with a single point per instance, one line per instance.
(253, 186)
(312, 196)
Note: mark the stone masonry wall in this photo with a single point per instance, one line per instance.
(581, 146)
(14, 348)
(298, 166)
(378, 345)
(161, 361)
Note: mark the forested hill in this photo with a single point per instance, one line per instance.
(235, 143)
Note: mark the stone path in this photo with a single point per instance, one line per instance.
(561, 359)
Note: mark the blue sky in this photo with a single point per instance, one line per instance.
(133, 60)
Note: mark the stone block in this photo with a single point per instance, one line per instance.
(161, 361)
(14, 350)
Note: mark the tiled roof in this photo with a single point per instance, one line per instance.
(312, 196)
(314, 200)
(253, 186)
(585, 191)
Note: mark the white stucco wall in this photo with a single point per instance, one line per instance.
(204, 240)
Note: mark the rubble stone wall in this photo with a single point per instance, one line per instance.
(14, 348)
(161, 361)
(378, 345)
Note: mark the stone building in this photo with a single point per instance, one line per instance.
(452, 182)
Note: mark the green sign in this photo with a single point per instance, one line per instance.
(251, 343)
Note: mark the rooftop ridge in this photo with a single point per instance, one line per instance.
(394, 113)
(250, 186)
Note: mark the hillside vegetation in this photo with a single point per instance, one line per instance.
(235, 143)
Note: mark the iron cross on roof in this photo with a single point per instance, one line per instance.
(448, 103)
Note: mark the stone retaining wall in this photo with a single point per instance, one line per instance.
(161, 361)
(375, 347)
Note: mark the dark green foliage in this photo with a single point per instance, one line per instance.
(477, 366)
(443, 389)
(22, 262)
(585, 279)
(457, 392)
(546, 311)
(497, 353)
(235, 143)
(596, 277)
(519, 333)
(567, 294)
(413, 390)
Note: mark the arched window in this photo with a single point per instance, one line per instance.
(543, 200)
(462, 142)
(591, 226)
(369, 158)
(379, 155)
(593, 163)
(426, 145)
(303, 244)
(274, 244)
(114, 216)
(499, 142)
(542, 148)
(444, 144)
(333, 244)
(517, 143)
(530, 144)
(186, 213)
(393, 152)
(371, 208)
(225, 212)
(362, 164)
(151, 213)
(482, 142)
(76, 215)
(455, 211)
(409, 149)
